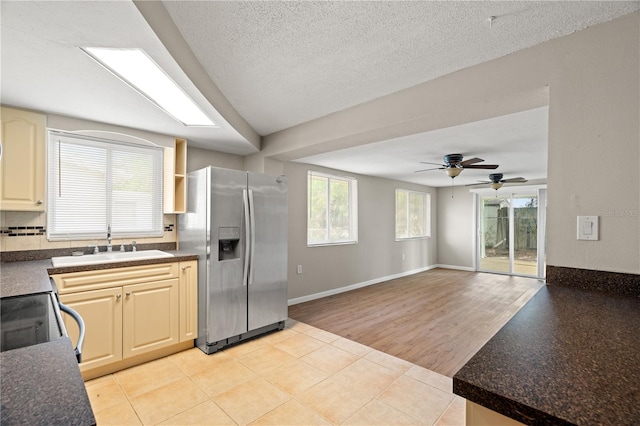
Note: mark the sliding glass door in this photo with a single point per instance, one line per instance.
(511, 237)
(494, 234)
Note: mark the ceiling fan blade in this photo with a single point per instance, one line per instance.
(436, 164)
(470, 161)
(512, 180)
(426, 170)
(479, 183)
(482, 166)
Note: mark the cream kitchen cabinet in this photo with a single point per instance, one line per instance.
(22, 167)
(101, 311)
(188, 300)
(477, 415)
(149, 316)
(131, 314)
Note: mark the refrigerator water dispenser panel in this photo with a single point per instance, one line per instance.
(228, 238)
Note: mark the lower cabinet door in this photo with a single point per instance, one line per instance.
(150, 316)
(101, 311)
(188, 300)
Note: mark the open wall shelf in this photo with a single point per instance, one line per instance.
(175, 177)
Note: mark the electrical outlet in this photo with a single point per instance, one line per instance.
(299, 269)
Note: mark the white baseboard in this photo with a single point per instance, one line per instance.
(459, 268)
(339, 290)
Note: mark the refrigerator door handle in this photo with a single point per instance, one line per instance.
(252, 216)
(247, 242)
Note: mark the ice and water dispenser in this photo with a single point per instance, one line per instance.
(228, 238)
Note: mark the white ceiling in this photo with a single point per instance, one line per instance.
(282, 63)
(517, 142)
(43, 68)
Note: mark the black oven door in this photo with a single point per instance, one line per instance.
(28, 320)
(32, 319)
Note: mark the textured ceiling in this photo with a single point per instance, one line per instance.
(517, 142)
(42, 68)
(283, 63)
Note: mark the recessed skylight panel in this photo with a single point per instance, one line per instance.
(139, 71)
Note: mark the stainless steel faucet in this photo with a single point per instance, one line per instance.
(109, 246)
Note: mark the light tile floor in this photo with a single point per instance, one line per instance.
(298, 376)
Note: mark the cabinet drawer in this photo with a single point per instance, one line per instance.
(92, 280)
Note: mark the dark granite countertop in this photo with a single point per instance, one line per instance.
(178, 256)
(42, 385)
(17, 278)
(569, 356)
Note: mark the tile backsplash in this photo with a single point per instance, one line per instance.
(27, 231)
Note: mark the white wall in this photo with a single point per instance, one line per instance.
(589, 79)
(200, 158)
(594, 147)
(455, 227)
(107, 131)
(376, 255)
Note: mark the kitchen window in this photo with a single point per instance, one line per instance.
(93, 183)
(413, 213)
(332, 209)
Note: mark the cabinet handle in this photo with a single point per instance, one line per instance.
(118, 296)
(184, 268)
(39, 202)
(128, 294)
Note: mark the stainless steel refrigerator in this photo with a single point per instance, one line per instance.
(237, 224)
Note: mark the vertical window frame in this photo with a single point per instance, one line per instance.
(352, 204)
(57, 233)
(407, 219)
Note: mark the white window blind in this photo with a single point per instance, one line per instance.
(93, 183)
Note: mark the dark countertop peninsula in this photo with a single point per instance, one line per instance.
(42, 384)
(569, 356)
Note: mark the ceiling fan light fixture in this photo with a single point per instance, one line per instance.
(453, 171)
(496, 185)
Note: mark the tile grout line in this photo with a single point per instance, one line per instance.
(307, 331)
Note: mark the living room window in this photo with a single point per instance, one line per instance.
(332, 209)
(413, 213)
(94, 183)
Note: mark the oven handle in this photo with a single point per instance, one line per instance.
(76, 316)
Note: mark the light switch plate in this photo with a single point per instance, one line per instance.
(588, 228)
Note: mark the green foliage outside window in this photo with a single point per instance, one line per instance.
(330, 209)
(412, 214)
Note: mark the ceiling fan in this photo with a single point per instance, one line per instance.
(453, 165)
(496, 181)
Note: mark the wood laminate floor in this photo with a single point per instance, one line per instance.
(436, 319)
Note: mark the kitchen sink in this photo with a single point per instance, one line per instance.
(107, 257)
